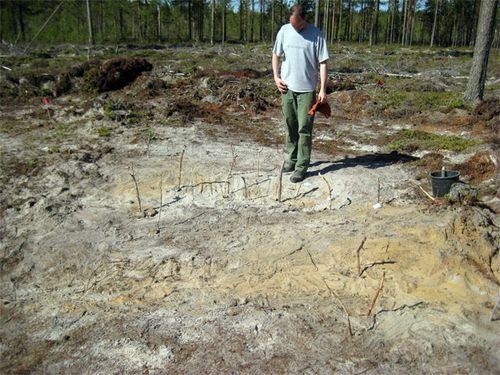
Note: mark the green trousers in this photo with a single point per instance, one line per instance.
(298, 127)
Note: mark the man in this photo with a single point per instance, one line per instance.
(305, 51)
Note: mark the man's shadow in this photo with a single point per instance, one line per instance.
(371, 161)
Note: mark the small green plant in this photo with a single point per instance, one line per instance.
(60, 130)
(395, 98)
(440, 100)
(104, 132)
(107, 110)
(31, 165)
(54, 150)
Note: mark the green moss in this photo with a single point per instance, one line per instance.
(429, 141)
(435, 100)
(394, 97)
(90, 79)
(104, 132)
(60, 130)
(31, 165)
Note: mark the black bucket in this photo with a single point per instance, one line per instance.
(442, 181)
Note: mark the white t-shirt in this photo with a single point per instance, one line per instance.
(303, 52)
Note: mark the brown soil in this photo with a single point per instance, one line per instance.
(478, 168)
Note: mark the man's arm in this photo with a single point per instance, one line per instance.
(323, 74)
(277, 74)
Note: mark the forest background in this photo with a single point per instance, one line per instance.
(444, 23)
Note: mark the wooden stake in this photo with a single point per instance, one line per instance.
(378, 191)
(161, 204)
(376, 295)
(258, 162)
(426, 193)
(245, 187)
(349, 328)
(357, 255)
(493, 312)
(280, 180)
(150, 137)
(179, 179)
(132, 174)
(329, 190)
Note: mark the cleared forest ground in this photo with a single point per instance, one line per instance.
(220, 273)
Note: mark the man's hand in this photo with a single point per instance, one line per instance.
(281, 85)
(276, 73)
(322, 96)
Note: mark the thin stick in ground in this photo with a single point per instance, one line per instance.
(230, 174)
(245, 187)
(378, 190)
(132, 174)
(150, 137)
(357, 255)
(493, 312)
(258, 162)
(179, 178)
(329, 190)
(376, 295)
(349, 328)
(280, 181)
(161, 204)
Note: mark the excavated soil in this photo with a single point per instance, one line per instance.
(227, 270)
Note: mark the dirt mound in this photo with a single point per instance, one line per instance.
(97, 76)
(350, 103)
(479, 168)
(119, 72)
(239, 73)
(488, 109)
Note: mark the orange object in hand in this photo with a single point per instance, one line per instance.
(323, 108)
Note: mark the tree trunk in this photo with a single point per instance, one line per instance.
(434, 23)
(261, 25)
(476, 17)
(361, 34)
(158, 10)
(475, 86)
(89, 22)
(403, 29)
(325, 19)
(374, 24)
(412, 17)
(316, 14)
(339, 24)
(272, 21)
(393, 16)
(120, 21)
(101, 20)
(348, 26)
(20, 8)
(199, 21)
(252, 14)
(212, 23)
(242, 21)
(281, 13)
(224, 5)
(333, 23)
(190, 20)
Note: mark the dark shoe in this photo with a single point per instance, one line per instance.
(288, 167)
(298, 176)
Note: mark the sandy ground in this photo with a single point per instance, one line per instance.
(227, 278)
